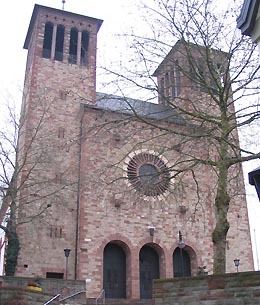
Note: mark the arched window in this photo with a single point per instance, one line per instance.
(84, 48)
(181, 263)
(73, 46)
(114, 271)
(59, 43)
(47, 41)
(149, 270)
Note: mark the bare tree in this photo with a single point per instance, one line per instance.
(27, 191)
(209, 74)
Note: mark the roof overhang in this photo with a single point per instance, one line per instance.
(254, 179)
(247, 17)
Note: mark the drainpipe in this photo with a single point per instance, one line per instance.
(78, 196)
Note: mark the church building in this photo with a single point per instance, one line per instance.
(97, 176)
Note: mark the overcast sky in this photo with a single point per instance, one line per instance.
(117, 14)
(15, 18)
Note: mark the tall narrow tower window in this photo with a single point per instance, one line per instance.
(59, 43)
(73, 46)
(176, 80)
(167, 84)
(47, 42)
(84, 48)
(161, 91)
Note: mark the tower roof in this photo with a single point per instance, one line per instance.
(36, 10)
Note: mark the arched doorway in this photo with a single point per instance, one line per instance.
(181, 263)
(149, 270)
(114, 272)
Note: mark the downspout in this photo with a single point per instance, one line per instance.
(78, 197)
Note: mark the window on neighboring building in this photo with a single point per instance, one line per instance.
(84, 48)
(73, 46)
(59, 43)
(47, 41)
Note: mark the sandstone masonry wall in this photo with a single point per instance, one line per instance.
(232, 289)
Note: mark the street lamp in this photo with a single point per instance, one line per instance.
(181, 245)
(236, 262)
(254, 179)
(151, 230)
(67, 254)
(181, 242)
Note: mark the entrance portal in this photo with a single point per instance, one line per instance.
(181, 263)
(149, 270)
(114, 276)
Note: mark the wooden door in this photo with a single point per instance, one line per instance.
(149, 270)
(114, 277)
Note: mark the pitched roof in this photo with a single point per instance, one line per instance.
(128, 106)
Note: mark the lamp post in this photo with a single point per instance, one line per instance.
(151, 229)
(236, 262)
(254, 179)
(67, 254)
(181, 245)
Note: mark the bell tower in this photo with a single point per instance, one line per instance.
(60, 75)
(61, 52)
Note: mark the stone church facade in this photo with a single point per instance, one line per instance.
(99, 178)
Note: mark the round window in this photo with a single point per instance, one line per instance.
(148, 174)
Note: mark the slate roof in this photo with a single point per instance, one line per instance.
(129, 106)
(247, 17)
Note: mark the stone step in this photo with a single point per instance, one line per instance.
(109, 301)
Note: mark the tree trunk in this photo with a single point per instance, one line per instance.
(221, 229)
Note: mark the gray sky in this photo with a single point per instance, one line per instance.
(15, 18)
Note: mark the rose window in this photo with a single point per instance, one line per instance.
(148, 174)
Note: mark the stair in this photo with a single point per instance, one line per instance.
(120, 302)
